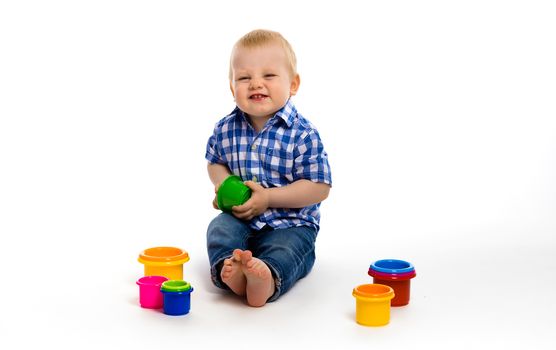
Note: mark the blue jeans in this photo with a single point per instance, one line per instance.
(289, 253)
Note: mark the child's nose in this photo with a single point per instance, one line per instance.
(255, 83)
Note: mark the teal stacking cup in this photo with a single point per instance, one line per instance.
(232, 192)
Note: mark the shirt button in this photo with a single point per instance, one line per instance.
(253, 147)
(254, 179)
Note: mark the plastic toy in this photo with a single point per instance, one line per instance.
(392, 266)
(164, 261)
(372, 304)
(396, 274)
(177, 297)
(232, 192)
(150, 296)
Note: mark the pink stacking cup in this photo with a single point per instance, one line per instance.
(150, 296)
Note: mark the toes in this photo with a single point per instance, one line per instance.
(226, 272)
(237, 254)
(246, 256)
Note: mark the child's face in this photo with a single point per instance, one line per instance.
(261, 81)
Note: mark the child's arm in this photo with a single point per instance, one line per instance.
(217, 173)
(298, 194)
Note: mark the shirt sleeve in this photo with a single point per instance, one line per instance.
(213, 153)
(311, 160)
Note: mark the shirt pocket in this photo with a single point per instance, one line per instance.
(278, 165)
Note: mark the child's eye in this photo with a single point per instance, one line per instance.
(269, 75)
(242, 78)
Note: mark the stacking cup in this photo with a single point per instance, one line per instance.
(164, 261)
(392, 266)
(396, 274)
(232, 192)
(150, 296)
(372, 304)
(177, 297)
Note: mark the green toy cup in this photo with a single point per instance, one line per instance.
(175, 286)
(232, 192)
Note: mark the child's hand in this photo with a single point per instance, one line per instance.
(256, 205)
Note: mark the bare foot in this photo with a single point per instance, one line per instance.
(260, 283)
(232, 273)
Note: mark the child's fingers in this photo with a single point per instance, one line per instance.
(253, 185)
(241, 208)
(243, 212)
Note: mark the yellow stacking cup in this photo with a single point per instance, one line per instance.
(372, 304)
(164, 261)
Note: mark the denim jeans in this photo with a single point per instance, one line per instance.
(289, 253)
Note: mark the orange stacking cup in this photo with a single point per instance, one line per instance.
(164, 261)
(372, 304)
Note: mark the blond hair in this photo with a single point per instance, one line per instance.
(261, 37)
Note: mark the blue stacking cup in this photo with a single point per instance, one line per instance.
(392, 266)
(177, 297)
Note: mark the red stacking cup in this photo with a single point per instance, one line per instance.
(400, 282)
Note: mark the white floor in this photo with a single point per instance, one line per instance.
(440, 126)
(473, 290)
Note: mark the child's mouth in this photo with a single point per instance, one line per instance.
(258, 97)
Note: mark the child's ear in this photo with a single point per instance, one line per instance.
(294, 86)
(232, 90)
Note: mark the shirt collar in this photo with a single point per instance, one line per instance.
(286, 113)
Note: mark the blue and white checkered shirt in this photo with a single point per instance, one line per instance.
(286, 150)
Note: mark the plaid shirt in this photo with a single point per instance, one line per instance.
(286, 150)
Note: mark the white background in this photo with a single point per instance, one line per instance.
(439, 119)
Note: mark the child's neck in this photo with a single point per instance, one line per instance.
(258, 123)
